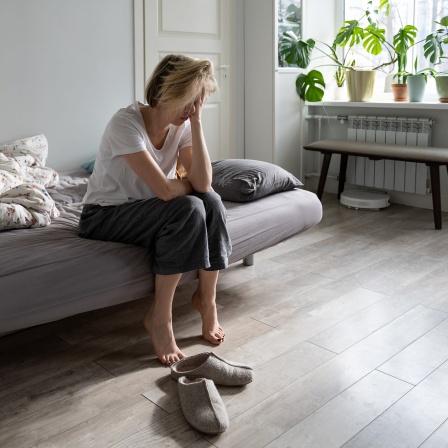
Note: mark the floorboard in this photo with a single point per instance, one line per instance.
(345, 325)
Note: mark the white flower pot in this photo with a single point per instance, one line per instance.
(340, 93)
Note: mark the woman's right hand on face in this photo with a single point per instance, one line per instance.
(198, 105)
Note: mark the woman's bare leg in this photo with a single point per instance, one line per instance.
(158, 319)
(204, 301)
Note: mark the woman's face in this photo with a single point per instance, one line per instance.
(185, 113)
(180, 117)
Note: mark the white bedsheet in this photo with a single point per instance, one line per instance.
(24, 200)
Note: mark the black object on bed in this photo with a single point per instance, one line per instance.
(50, 273)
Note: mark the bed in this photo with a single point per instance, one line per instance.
(49, 273)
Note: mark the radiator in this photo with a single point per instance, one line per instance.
(392, 175)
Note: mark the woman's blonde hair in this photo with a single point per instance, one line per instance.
(177, 80)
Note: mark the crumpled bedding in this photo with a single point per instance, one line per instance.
(24, 179)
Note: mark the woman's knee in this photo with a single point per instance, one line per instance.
(206, 207)
(192, 207)
(212, 201)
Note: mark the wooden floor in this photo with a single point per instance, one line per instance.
(346, 326)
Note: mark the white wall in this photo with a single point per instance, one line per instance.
(239, 74)
(66, 67)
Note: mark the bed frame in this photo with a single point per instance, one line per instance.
(51, 273)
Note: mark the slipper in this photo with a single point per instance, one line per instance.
(210, 366)
(202, 405)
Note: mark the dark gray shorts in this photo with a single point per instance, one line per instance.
(181, 235)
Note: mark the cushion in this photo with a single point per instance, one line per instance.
(243, 180)
(88, 166)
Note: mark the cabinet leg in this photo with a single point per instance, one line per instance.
(436, 201)
(323, 175)
(342, 174)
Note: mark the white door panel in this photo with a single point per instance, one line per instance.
(180, 16)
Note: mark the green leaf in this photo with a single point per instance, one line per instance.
(296, 51)
(293, 13)
(404, 38)
(432, 48)
(373, 40)
(443, 21)
(373, 21)
(385, 4)
(351, 33)
(402, 60)
(371, 14)
(310, 86)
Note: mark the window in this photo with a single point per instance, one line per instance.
(289, 18)
(420, 13)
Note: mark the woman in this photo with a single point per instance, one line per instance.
(134, 196)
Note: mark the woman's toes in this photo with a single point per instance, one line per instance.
(219, 338)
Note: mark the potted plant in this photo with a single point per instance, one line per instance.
(403, 40)
(416, 81)
(310, 86)
(433, 50)
(339, 77)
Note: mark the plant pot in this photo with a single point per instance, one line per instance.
(360, 84)
(340, 93)
(400, 92)
(416, 88)
(442, 88)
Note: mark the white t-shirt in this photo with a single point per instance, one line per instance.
(113, 182)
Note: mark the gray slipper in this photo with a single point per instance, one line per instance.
(202, 405)
(208, 365)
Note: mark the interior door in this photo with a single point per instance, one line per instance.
(197, 28)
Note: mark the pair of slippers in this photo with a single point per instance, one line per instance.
(200, 401)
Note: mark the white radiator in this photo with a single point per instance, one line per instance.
(389, 174)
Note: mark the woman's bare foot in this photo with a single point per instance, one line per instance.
(162, 338)
(211, 330)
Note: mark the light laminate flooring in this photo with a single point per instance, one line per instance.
(346, 326)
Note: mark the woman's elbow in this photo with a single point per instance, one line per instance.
(166, 197)
(202, 187)
(203, 190)
(167, 194)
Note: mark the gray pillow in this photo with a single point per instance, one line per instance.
(242, 180)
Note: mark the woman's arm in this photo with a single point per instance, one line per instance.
(147, 169)
(195, 158)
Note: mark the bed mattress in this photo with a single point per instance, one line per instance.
(50, 273)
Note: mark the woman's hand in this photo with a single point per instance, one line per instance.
(198, 104)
